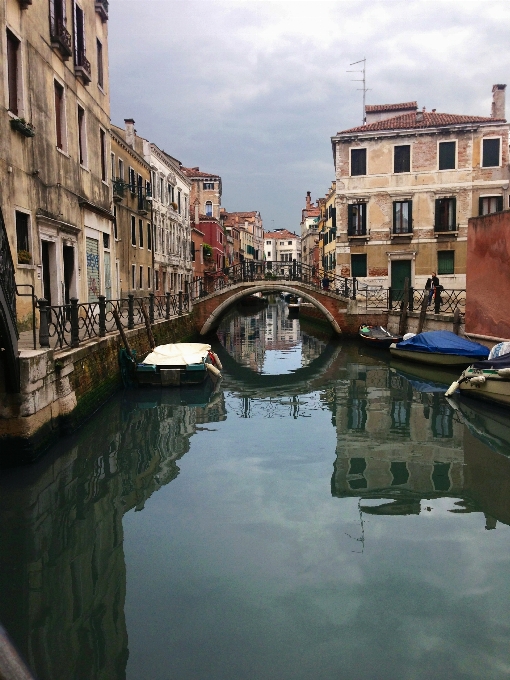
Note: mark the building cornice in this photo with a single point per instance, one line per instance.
(415, 132)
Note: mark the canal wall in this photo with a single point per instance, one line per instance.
(433, 322)
(61, 389)
(349, 320)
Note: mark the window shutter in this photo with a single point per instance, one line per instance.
(52, 18)
(333, 217)
(75, 31)
(454, 225)
(410, 217)
(364, 218)
(349, 219)
(500, 203)
(394, 217)
(480, 206)
(437, 225)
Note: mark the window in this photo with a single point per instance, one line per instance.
(268, 243)
(402, 158)
(14, 72)
(82, 136)
(106, 241)
(100, 80)
(178, 201)
(208, 186)
(446, 214)
(161, 190)
(149, 280)
(140, 233)
(402, 217)
(192, 250)
(121, 169)
(60, 117)
(357, 219)
(490, 204)
(358, 162)
(289, 243)
(22, 238)
(60, 36)
(102, 140)
(133, 230)
(490, 153)
(446, 262)
(141, 276)
(112, 159)
(132, 181)
(79, 38)
(149, 236)
(133, 276)
(156, 273)
(447, 155)
(115, 228)
(208, 209)
(399, 472)
(358, 265)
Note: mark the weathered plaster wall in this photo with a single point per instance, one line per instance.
(488, 276)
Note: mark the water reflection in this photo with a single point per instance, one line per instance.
(255, 563)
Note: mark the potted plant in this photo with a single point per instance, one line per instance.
(174, 205)
(207, 250)
(24, 257)
(21, 125)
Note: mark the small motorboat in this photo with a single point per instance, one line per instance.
(293, 305)
(440, 348)
(487, 380)
(178, 363)
(377, 336)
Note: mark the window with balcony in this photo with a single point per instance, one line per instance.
(490, 204)
(179, 201)
(359, 265)
(132, 180)
(446, 215)
(59, 35)
(402, 158)
(447, 155)
(14, 73)
(60, 117)
(445, 262)
(491, 152)
(121, 169)
(81, 63)
(358, 162)
(402, 217)
(357, 219)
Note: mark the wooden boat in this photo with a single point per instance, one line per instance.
(377, 336)
(487, 380)
(440, 348)
(178, 363)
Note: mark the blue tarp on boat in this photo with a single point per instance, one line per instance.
(444, 342)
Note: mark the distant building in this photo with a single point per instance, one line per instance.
(282, 245)
(55, 190)
(251, 223)
(232, 229)
(310, 233)
(207, 189)
(407, 183)
(327, 232)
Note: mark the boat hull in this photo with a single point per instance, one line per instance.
(168, 377)
(494, 390)
(432, 358)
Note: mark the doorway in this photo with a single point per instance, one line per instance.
(400, 271)
(68, 260)
(46, 247)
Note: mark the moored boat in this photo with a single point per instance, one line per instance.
(440, 348)
(293, 305)
(377, 336)
(487, 380)
(177, 363)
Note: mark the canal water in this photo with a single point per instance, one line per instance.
(321, 513)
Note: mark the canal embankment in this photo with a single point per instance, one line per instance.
(60, 389)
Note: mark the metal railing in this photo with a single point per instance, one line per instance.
(268, 270)
(445, 301)
(66, 326)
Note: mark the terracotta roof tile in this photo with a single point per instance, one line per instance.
(195, 172)
(380, 108)
(284, 233)
(421, 120)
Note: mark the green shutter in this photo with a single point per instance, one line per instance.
(500, 203)
(480, 206)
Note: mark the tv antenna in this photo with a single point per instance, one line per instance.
(363, 80)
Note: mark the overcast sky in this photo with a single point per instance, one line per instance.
(253, 90)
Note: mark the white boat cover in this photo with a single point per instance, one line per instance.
(178, 354)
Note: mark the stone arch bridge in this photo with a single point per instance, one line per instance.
(338, 309)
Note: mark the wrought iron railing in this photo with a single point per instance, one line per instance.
(65, 326)
(444, 301)
(267, 270)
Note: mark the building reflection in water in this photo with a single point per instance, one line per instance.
(401, 442)
(62, 569)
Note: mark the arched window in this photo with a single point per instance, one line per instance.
(208, 208)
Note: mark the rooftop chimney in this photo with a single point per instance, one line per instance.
(197, 212)
(498, 101)
(130, 132)
(308, 199)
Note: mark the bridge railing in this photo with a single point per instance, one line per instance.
(270, 270)
(444, 301)
(66, 326)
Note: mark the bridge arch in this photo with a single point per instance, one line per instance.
(266, 287)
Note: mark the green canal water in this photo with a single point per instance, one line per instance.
(323, 513)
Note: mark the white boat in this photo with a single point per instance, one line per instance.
(439, 348)
(177, 363)
(487, 380)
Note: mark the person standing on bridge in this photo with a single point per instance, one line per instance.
(325, 281)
